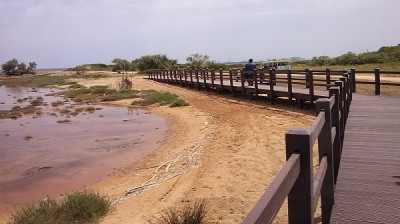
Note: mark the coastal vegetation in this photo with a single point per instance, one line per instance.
(195, 213)
(385, 55)
(13, 67)
(142, 98)
(78, 207)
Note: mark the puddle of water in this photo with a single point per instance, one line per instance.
(40, 157)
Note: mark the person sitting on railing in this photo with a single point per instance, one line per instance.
(248, 71)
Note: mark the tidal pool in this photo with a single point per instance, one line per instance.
(40, 156)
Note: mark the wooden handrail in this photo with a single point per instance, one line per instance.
(318, 180)
(316, 127)
(271, 201)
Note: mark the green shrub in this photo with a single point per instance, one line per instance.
(99, 89)
(78, 207)
(85, 206)
(76, 92)
(178, 103)
(120, 95)
(163, 98)
(76, 86)
(189, 214)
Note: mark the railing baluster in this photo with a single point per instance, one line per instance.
(271, 86)
(290, 89)
(337, 144)
(377, 82)
(325, 149)
(300, 197)
(221, 80)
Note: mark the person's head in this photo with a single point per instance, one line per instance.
(250, 60)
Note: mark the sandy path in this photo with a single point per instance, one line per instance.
(241, 145)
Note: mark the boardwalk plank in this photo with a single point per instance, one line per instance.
(368, 185)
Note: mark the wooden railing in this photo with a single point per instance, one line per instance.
(296, 180)
(377, 81)
(309, 78)
(214, 80)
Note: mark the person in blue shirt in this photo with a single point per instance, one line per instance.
(248, 71)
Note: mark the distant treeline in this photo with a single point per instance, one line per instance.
(383, 55)
(199, 61)
(158, 61)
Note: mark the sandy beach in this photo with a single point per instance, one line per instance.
(223, 149)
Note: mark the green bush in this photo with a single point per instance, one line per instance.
(178, 103)
(163, 98)
(99, 89)
(78, 207)
(76, 92)
(76, 86)
(189, 214)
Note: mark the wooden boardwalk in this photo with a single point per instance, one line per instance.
(367, 188)
(368, 185)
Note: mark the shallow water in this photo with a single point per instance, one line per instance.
(40, 157)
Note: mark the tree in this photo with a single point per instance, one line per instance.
(198, 60)
(32, 66)
(158, 61)
(121, 65)
(12, 67)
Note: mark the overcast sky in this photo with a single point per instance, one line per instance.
(65, 33)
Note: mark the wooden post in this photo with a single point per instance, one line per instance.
(221, 80)
(163, 76)
(377, 82)
(311, 86)
(344, 96)
(191, 78)
(307, 77)
(300, 198)
(173, 73)
(328, 77)
(167, 73)
(349, 92)
(353, 78)
(337, 145)
(341, 109)
(185, 74)
(212, 78)
(271, 86)
(180, 77)
(325, 149)
(231, 81)
(242, 81)
(290, 88)
(205, 79)
(197, 79)
(255, 81)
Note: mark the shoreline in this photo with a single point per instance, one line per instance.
(238, 147)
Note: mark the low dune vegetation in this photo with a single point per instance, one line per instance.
(142, 98)
(78, 207)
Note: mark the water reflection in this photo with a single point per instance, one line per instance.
(42, 156)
